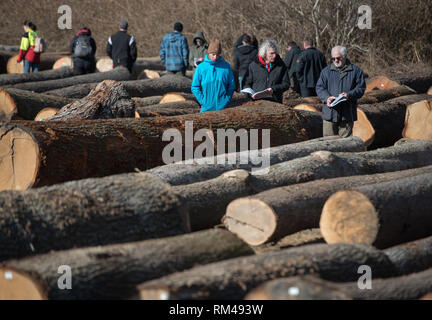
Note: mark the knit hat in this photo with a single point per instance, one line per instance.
(178, 27)
(215, 47)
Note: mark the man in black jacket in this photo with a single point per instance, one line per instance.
(268, 72)
(83, 49)
(244, 54)
(291, 57)
(121, 47)
(309, 66)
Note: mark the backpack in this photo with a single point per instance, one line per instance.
(40, 44)
(83, 48)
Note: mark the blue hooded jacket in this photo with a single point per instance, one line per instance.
(213, 84)
(174, 51)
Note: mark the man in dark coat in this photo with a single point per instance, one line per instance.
(290, 60)
(121, 47)
(243, 56)
(341, 78)
(268, 72)
(309, 66)
(83, 49)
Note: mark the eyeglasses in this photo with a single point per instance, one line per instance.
(337, 58)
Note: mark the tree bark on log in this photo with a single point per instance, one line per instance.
(11, 79)
(418, 120)
(118, 74)
(180, 173)
(107, 101)
(169, 109)
(149, 101)
(233, 278)
(50, 152)
(308, 287)
(383, 214)
(414, 256)
(377, 96)
(88, 212)
(25, 104)
(114, 271)
(418, 82)
(285, 210)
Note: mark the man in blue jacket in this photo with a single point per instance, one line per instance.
(174, 51)
(213, 83)
(340, 78)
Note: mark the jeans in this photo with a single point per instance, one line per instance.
(27, 65)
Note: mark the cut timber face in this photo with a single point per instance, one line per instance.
(8, 107)
(339, 224)
(429, 92)
(13, 66)
(241, 212)
(104, 64)
(18, 149)
(149, 74)
(63, 62)
(363, 128)
(17, 286)
(418, 121)
(380, 83)
(306, 107)
(46, 113)
(171, 97)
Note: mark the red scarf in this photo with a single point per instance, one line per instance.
(268, 66)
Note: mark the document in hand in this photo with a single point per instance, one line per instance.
(338, 100)
(257, 95)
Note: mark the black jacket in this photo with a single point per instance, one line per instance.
(258, 78)
(291, 60)
(83, 65)
(243, 56)
(310, 63)
(121, 48)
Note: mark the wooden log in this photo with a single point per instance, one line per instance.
(46, 113)
(117, 74)
(113, 271)
(48, 152)
(78, 91)
(233, 278)
(180, 173)
(149, 101)
(169, 109)
(88, 212)
(418, 120)
(304, 100)
(418, 82)
(382, 214)
(152, 63)
(308, 287)
(148, 74)
(25, 104)
(107, 101)
(285, 210)
(47, 61)
(377, 96)
(104, 64)
(429, 92)
(63, 62)
(4, 57)
(11, 78)
(414, 256)
(176, 96)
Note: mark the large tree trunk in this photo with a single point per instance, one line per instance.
(377, 96)
(233, 278)
(46, 62)
(286, 210)
(211, 167)
(418, 120)
(149, 101)
(25, 104)
(107, 101)
(89, 212)
(419, 82)
(51, 152)
(66, 61)
(112, 272)
(382, 214)
(169, 109)
(413, 286)
(117, 74)
(414, 256)
(11, 79)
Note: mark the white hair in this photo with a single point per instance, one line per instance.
(268, 44)
(341, 49)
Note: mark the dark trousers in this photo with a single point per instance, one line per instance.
(84, 66)
(183, 72)
(307, 92)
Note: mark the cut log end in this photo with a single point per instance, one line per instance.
(349, 216)
(104, 64)
(8, 107)
(363, 128)
(17, 286)
(63, 62)
(46, 113)
(429, 92)
(251, 220)
(418, 121)
(148, 74)
(137, 115)
(153, 293)
(18, 149)
(171, 97)
(306, 107)
(381, 83)
(13, 66)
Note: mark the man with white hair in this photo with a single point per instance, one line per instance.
(268, 72)
(340, 79)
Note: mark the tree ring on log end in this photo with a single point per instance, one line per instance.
(349, 216)
(8, 107)
(363, 128)
(18, 149)
(252, 220)
(46, 113)
(17, 286)
(171, 97)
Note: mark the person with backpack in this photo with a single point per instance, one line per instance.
(121, 47)
(83, 49)
(32, 45)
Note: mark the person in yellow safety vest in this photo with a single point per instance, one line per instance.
(26, 53)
